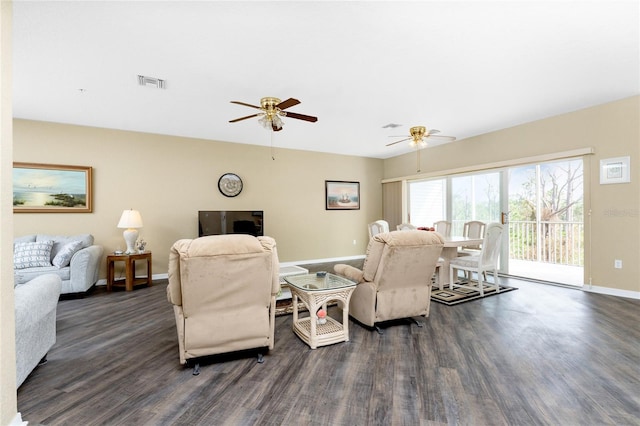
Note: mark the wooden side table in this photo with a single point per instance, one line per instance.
(130, 270)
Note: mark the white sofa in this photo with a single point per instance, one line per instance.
(75, 259)
(36, 302)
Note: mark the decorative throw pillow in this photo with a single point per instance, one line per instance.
(32, 255)
(64, 255)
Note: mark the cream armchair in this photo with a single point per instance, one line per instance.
(395, 281)
(223, 290)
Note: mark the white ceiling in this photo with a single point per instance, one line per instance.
(465, 68)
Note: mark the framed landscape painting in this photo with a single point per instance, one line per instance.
(51, 188)
(341, 195)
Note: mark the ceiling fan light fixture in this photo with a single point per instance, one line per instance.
(277, 121)
(264, 121)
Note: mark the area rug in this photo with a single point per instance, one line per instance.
(460, 295)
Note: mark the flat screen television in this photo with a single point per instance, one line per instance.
(219, 222)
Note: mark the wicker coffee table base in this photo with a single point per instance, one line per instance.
(332, 331)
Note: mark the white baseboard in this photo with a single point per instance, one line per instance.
(612, 291)
(312, 261)
(103, 281)
(17, 421)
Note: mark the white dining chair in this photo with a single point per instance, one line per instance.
(406, 227)
(472, 229)
(443, 227)
(485, 261)
(378, 227)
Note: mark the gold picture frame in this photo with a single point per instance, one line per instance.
(51, 188)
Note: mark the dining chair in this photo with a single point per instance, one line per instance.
(406, 227)
(378, 227)
(443, 227)
(472, 229)
(485, 261)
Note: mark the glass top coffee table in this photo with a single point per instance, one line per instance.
(315, 292)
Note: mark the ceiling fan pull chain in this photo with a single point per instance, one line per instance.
(273, 157)
(418, 165)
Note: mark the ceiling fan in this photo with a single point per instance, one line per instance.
(418, 136)
(271, 111)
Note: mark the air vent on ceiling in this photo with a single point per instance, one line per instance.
(391, 126)
(144, 80)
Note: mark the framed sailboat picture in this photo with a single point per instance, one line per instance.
(342, 195)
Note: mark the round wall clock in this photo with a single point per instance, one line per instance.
(230, 184)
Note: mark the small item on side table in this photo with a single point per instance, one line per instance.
(322, 316)
(141, 244)
(321, 274)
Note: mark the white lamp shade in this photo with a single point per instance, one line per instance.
(130, 219)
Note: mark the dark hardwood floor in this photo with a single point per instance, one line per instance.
(541, 355)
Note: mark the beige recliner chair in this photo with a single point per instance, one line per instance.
(223, 289)
(396, 278)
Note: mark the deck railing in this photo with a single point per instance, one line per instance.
(561, 243)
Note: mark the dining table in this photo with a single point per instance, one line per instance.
(450, 251)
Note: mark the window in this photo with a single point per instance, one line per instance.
(427, 201)
(474, 197)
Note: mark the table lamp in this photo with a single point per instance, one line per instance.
(130, 220)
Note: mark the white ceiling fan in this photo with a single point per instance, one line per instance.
(420, 138)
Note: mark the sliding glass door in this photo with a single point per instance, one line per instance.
(542, 205)
(474, 197)
(546, 221)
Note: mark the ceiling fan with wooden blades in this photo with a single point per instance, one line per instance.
(271, 112)
(420, 137)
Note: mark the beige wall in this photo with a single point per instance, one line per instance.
(612, 130)
(168, 179)
(8, 400)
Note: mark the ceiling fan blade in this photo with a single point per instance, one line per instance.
(442, 138)
(301, 117)
(288, 103)
(433, 132)
(393, 143)
(243, 118)
(245, 104)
